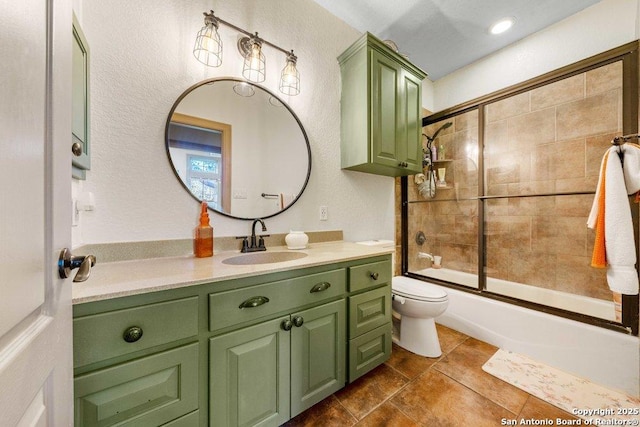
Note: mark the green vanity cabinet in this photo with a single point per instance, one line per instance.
(270, 372)
(248, 351)
(369, 317)
(381, 110)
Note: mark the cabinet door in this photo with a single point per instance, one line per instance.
(249, 376)
(80, 102)
(409, 136)
(385, 77)
(318, 356)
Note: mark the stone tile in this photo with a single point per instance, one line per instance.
(509, 232)
(537, 409)
(509, 107)
(464, 364)
(328, 412)
(387, 415)
(596, 147)
(369, 391)
(578, 205)
(511, 167)
(457, 257)
(466, 230)
(577, 277)
(544, 233)
(434, 399)
(466, 120)
(594, 115)
(565, 90)
(528, 130)
(496, 139)
(604, 78)
(571, 236)
(557, 161)
(569, 159)
(532, 268)
(407, 363)
(449, 338)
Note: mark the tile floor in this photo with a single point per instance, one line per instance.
(409, 390)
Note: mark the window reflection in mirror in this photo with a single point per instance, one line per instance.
(201, 153)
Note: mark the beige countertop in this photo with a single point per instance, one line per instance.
(126, 278)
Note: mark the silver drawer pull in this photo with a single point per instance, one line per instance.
(254, 302)
(374, 276)
(323, 286)
(132, 334)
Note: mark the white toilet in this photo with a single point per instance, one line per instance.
(418, 303)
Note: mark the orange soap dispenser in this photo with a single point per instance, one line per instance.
(203, 240)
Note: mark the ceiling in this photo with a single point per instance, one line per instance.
(441, 36)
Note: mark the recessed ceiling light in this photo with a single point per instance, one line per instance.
(502, 25)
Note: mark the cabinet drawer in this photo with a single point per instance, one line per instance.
(366, 275)
(101, 336)
(274, 297)
(369, 310)
(189, 420)
(368, 351)
(149, 391)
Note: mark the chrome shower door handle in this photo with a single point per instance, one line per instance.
(68, 262)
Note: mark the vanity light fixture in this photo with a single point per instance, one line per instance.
(502, 25)
(254, 66)
(208, 47)
(290, 77)
(208, 50)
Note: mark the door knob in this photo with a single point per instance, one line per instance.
(68, 262)
(298, 321)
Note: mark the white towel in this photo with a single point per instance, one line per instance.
(618, 227)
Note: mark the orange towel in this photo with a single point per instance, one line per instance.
(599, 257)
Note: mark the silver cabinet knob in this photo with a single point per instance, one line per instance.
(76, 149)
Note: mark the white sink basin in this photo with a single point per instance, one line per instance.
(263, 258)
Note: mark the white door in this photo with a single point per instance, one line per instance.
(35, 212)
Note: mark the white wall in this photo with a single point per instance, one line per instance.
(141, 61)
(603, 26)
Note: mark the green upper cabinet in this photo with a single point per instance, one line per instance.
(381, 110)
(80, 103)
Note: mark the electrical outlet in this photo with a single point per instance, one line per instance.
(324, 213)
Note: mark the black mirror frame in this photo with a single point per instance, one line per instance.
(232, 79)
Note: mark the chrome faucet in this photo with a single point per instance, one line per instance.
(252, 246)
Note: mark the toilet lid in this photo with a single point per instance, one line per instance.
(415, 289)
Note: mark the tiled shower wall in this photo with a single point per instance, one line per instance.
(548, 140)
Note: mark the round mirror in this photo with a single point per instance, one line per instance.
(238, 147)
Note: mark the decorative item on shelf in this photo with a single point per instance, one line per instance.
(208, 50)
(296, 240)
(441, 153)
(441, 177)
(437, 261)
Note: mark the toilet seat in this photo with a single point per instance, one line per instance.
(420, 291)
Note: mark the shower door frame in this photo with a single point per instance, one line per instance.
(628, 54)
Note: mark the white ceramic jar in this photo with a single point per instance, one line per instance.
(296, 240)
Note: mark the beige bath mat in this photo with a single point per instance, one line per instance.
(575, 395)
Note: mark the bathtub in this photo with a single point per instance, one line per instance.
(606, 357)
